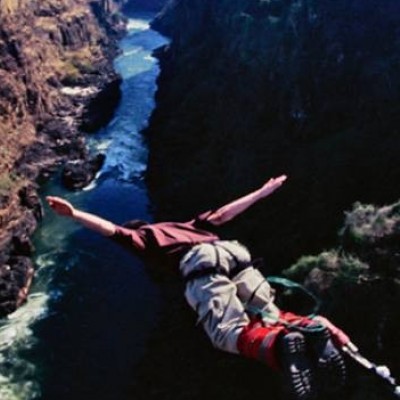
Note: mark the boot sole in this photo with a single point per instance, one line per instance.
(297, 372)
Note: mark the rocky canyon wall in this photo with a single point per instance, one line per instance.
(55, 61)
(252, 89)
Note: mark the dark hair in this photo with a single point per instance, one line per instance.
(134, 224)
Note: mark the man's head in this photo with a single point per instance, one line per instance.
(134, 224)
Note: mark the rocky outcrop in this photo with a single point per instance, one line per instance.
(101, 109)
(78, 174)
(55, 75)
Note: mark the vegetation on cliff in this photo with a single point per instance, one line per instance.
(359, 281)
(55, 59)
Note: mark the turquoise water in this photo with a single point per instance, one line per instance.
(92, 307)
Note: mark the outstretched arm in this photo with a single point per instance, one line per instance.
(65, 209)
(236, 207)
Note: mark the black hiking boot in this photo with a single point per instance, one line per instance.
(330, 365)
(296, 369)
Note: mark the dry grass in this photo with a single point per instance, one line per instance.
(47, 24)
(69, 70)
(75, 11)
(85, 58)
(7, 182)
(8, 6)
(70, 64)
(12, 141)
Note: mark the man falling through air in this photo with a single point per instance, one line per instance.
(222, 284)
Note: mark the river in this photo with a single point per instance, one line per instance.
(92, 306)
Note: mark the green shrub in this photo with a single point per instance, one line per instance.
(339, 267)
(366, 224)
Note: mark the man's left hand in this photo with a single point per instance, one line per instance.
(272, 184)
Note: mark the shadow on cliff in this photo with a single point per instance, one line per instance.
(253, 89)
(250, 90)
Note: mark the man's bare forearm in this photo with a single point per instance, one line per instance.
(236, 207)
(64, 208)
(94, 222)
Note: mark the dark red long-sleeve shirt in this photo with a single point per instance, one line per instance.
(166, 241)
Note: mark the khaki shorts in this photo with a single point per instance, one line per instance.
(220, 301)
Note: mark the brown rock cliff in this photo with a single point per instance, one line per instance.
(55, 60)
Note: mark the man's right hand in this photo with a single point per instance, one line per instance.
(95, 223)
(60, 206)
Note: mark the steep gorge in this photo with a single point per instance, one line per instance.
(55, 63)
